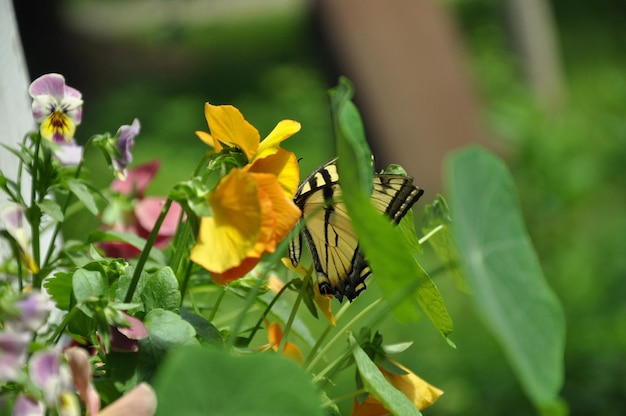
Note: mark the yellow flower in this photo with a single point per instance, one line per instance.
(230, 129)
(291, 350)
(413, 387)
(252, 206)
(251, 214)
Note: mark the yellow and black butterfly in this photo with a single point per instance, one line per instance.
(340, 265)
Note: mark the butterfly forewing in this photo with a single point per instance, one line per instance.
(338, 261)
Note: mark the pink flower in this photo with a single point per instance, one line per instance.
(142, 215)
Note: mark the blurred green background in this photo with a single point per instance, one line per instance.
(272, 63)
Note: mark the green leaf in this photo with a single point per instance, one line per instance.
(510, 292)
(398, 273)
(81, 191)
(437, 221)
(205, 330)
(200, 381)
(89, 285)
(376, 384)
(59, 287)
(166, 330)
(352, 148)
(160, 290)
(52, 209)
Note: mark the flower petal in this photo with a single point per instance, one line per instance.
(284, 165)
(275, 336)
(58, 128)
(70, 154)
(283, 130)
(147, 211)
(48, 84)
(140, 401)
(13, 357)
(125, 142)
(208, 139)
(228, 126)
(25, 406)
(43, 106)
(78, 361)
(225, 239)
(285, 212)
(137, 179)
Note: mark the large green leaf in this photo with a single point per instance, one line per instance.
(398, 273)
(201, 381)
(503, 272)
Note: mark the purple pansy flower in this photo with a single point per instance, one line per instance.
(125, 142)
(35, 308)
(57, 107)
(13, 354)
(25, 406)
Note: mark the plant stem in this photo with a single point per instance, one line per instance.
(339, 334)
(430, 234)
(57, 226)
(294, 311)
(34, 216)
(324, 334)
(66, 319)
(344, 397)
(267, 311)
(217, 304)
(145, 253)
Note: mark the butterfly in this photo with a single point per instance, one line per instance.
(339, 263)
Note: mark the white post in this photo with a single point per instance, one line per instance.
(15, 115)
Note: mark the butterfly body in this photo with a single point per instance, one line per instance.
(340, 265)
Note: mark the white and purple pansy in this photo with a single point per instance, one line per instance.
(56, 107)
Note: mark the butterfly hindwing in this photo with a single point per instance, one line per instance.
(339, 263)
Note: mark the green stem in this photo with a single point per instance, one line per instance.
(57, 226)
(181, 245)
(343, 397)
(430, 234)
(145, 253)
(320, 375)
(294, 311)
(217, 304)
(250, 299)
(328, 346)
(35, 214)
(185, 283)
(267, 311)
(324, 334)
(66, 319)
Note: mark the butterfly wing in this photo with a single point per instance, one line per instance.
(339, 263)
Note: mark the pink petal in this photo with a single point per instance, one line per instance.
(78, 361)
(140, 401)
(148, 210)
(138, 179)
(136, 330)
(49, 84)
